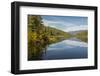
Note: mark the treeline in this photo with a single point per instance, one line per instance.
(37, 32)
(39, 36)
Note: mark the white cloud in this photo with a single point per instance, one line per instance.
(76, 28)
(48, 22)
(64, 26)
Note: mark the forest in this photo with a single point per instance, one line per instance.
(40, 36)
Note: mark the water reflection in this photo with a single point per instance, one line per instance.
(67, 49)
(35, 52)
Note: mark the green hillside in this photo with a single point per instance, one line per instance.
(39, 35)
(38, 32)
(83, 35)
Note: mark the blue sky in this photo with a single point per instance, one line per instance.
(66, 23)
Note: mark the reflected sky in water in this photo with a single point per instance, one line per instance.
(67, 49)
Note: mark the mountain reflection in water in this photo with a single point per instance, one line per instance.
(67, 49)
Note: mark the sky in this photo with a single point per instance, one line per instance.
(66, 23)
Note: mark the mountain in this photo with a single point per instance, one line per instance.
(38, 32)
(40, 36)
(75, 32)
(82, 35)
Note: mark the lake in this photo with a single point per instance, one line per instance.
(67, 49)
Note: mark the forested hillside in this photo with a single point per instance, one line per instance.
(39, 35)
(83, 35)
(37, 32)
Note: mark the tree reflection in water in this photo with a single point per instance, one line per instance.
(36, 50)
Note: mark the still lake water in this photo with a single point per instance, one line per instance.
(67, 49)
